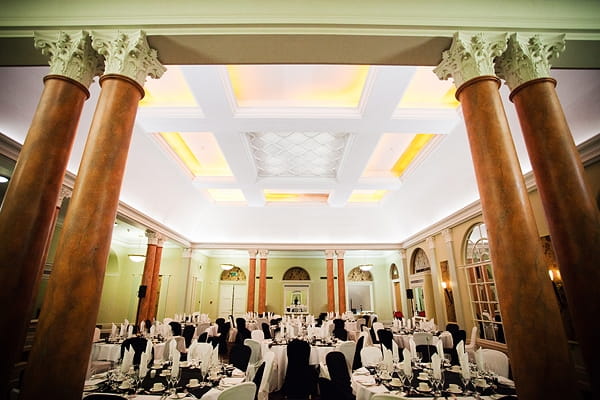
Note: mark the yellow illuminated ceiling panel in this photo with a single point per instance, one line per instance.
(298, 85)
(171, 90)
(366, 196)
(274, 196)
(227, 195)
(413, 149)
(199, 152)
(425, 90)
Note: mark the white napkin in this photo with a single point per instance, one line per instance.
(464, 366)
(361, 371)
(175, 368)
(130, 331)
(406, 366)
(440, 348)
(388, 359)
(153, 330)
(413, 347)
(214, 358)
(237, 372)
(127, 360)
(365, 379)
(436, 366)
(479, 360)
(113, 332)
(122, 331)
(460, 348)
(148, 348)
(505, 381)
(144, 364)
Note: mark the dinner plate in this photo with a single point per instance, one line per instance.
(193, 386)
(154, 390)
(178, 395)
(455, 391)
(89, 388)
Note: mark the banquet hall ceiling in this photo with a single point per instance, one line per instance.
(306, 124)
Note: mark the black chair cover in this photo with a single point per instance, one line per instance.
(239, 356)
(340, 378)
(266, 330)
(139, 346)
(385, 338)
(357, 362)
(188, 334)
(300, 378)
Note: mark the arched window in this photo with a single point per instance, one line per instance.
(482, 288)
(419, 262)
(234, 274)
(296, 274)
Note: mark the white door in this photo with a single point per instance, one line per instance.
(232, 299)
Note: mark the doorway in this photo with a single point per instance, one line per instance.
(232, 299)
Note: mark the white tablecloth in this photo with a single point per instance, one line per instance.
(112, 351)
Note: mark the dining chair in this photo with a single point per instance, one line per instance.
(371, 356)
(239, 356)
(265, 381)
(242, 391)
(348, 348)
(386, 339)
(266, 328)
(340, 377)
(255, 357)
(300, 377)
(188, 334)
(472, 346)
(258, 335)
(496, 361)
(356, 361)
(377, 326)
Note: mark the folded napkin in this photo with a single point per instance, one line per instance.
(436, 362)
(413, 348)
(440, 348)
(127, 360)
(232, 381)
(460, 348)
(361, 371)
(237, 373)
(143, 364)
(464, 366)
(365, 379)
(406, 366)
(506, 382)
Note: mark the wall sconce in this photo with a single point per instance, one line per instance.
(227, 267)
(136, 257)
(448, 291)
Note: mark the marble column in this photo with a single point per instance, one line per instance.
(341, 273)
(262, 282)
(529, 308)
(438, 300)
(155, 288)
(58, 361)
(142, 313)
(28, 209)
(330, 285)
(458, 300)
(251, 280)
(569, 204)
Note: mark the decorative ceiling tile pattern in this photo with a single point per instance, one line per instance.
(297, 154)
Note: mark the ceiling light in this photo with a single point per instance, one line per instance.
(227, 267)
(365, 267)
(3, 179)
(137, 257)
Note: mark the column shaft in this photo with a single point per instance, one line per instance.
(28, 209)
(341, 285)
(530, 311)
(571, 211)
(262, 286)
(330, 286)
(251, 284)
(155, 287)
(147, 275)
(74, 291)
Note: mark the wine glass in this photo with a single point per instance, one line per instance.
(174, 380)
(465, 381)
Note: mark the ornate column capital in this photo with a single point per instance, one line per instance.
(127, 53)
(252, 253)
(263, 253)
(447, 235)
(329, 254)
(527, 57)
(471, 55)
(402, 253)
(340, 253)
(64, 192)
(430, 242)
(154, 237)
(187, 253)
(71, 55)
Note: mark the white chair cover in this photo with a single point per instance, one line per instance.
(347, 348)
(371, 356)
(495, 361)
(242, 391)
(265, 383)
(376, 327)
(255, 357)
(257, 335)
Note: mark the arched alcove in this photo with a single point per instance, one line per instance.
(296, 274)
(234, 274)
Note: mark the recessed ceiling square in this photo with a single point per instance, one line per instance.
(275, 196)
(199, 152)
(426, 90)
(227, 195)
(171, 90)
(366, 196)
(297, 154)
(297, 85)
